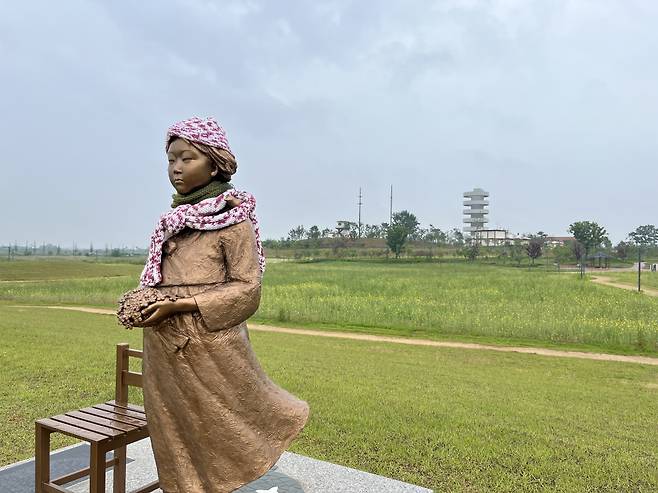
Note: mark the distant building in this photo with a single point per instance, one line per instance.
(343, 227)
(558, 240)
(492, 237)
(476, 203)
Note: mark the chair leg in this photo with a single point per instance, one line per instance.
(97, 469)
(41, 458)
(119, 481)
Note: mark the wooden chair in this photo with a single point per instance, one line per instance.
(107, 426)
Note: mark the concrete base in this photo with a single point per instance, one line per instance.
(293, 473)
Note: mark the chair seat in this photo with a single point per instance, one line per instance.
(108, 426)
(106, 422)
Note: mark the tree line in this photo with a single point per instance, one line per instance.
(404, 223)
(404, 227)
(48, 249)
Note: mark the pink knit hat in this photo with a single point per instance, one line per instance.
(195, 129)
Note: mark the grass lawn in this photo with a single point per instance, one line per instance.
(460, 301)
(64, 268)
(451, 420)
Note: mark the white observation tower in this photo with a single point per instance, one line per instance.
(476, 203)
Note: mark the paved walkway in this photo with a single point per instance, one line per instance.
(645, 360)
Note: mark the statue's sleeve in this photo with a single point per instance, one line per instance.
(234, 301)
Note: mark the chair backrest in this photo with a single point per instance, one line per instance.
(125, 377)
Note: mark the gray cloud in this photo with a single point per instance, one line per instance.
(549, 105)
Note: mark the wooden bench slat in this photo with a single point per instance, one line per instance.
(137, 435)
(53, 488)
(134, 379)
(120, 410)
(92, 418)
(86, 425)
(132, 407)
(73, 431)
(140, 423)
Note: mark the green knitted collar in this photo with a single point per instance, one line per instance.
(212, 189)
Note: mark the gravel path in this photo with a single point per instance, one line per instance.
(645, 360)
(606, 281)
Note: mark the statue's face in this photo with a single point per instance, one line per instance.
(189, 168)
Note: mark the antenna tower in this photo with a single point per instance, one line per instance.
(360, 204)
(390, 210)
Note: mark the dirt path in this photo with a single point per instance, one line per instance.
(606, 281)
(645, 360)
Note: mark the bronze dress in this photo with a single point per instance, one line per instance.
(216, 420)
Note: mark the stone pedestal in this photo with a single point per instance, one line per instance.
(292, 474)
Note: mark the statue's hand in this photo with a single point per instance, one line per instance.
(233, 202)
(157, 312)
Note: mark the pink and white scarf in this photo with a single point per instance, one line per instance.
(205, 216)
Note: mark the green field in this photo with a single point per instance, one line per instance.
(64, 268)
(433, 300)
(440, 300)
(447, 419)
(451, 420)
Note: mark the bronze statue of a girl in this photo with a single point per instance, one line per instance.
(216, 420)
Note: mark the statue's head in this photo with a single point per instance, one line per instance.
(198, 153)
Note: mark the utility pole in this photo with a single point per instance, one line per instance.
(360, 204)
(639, 268)
(390, 210)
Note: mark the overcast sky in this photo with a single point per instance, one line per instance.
(550, 105)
